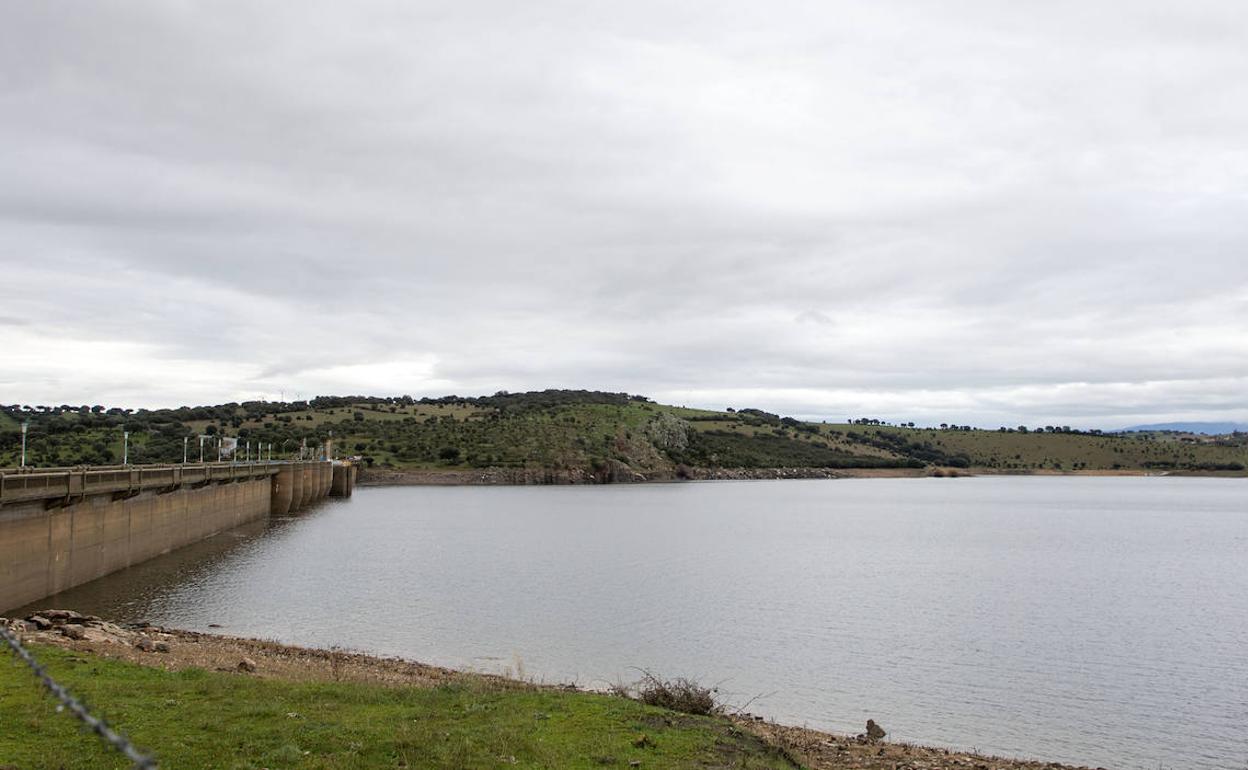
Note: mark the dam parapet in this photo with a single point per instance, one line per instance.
(60, 527)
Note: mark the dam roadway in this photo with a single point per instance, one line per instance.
(61, 527)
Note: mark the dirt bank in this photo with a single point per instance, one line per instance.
(172, 649)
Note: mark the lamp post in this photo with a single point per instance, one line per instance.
(186, 442)
(25, 425)
(125, 446)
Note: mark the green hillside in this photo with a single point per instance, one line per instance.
(605, 436)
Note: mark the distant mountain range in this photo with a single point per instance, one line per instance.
(1208, 428)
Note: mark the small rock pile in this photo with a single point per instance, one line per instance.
(88, 628)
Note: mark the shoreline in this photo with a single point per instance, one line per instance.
(179, 650)
(542, 477)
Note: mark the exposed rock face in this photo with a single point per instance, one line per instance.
(667, 431)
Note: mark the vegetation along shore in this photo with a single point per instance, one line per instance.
(198, 700)
(562, 436)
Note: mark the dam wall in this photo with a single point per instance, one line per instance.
(64, 527)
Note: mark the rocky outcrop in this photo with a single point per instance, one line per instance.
(668, 432)
(47, 625)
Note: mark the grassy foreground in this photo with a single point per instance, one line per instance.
(205, 719)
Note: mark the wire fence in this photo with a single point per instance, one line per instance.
(75, 707)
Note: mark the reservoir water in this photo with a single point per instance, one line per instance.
(1101, 621)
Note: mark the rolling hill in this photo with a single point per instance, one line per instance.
(560, 435)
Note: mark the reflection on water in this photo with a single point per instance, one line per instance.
(1102, 621)
(131, 593)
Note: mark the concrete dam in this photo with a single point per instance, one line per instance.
(66, 526)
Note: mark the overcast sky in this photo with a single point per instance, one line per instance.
(965, 211)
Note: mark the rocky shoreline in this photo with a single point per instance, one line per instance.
(173, 649)
(381, 477)
(625, 475)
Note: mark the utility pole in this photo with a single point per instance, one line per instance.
(25, 425)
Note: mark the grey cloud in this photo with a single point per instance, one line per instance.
(966, 213)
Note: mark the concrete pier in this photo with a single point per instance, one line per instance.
(324, 477)
(307, 484)
(344, 476)
(296, 488)
(283, 491)
(63, 527)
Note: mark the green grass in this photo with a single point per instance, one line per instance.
(1054, 451)
(201, 719)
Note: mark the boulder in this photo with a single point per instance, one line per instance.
(874, 732)
(247, 665)
(144, 644)
(64, 616)
(104, 632)
(73, 632)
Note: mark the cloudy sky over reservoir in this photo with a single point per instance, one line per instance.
(982, 212)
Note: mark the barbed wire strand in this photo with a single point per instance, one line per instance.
(95, 724)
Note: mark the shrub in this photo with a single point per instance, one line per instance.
(684, 695)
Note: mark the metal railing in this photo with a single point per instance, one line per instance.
(50, 483)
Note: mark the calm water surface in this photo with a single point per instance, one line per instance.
(1092, 620)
